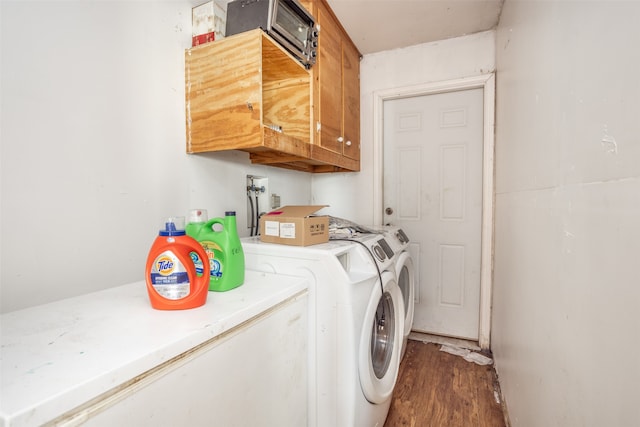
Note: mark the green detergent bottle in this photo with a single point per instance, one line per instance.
(220, 240)
(197, 218)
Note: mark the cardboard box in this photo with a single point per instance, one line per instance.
(294, 225)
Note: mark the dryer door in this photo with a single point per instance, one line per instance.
(407, 284)
(381, 340)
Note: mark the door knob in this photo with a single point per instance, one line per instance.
(388, 211)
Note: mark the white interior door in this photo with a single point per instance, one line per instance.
(432, 188)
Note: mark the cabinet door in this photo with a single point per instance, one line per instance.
(330, 81)
(351, 100)
(221, 384)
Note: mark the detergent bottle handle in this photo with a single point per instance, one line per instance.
(209, 225)
(197, 248)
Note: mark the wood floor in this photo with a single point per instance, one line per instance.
(438, 389)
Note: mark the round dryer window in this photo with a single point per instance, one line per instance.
(382, 336)
(381, 340)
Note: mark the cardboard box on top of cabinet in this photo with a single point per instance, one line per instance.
(295, 225)
(208, 22)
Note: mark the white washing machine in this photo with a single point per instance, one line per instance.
(405, 274)
(355, 325)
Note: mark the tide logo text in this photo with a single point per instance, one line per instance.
(165, 265)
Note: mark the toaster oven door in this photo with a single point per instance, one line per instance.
(291, 24)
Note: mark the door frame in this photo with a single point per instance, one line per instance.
(487, 83)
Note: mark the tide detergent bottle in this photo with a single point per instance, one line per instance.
(219, 238)
(172, 280)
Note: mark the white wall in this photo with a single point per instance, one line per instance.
(93, 145)
(429, 62)
(566, 325)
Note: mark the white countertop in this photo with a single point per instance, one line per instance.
(57, 356)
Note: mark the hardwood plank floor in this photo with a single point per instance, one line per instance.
(438, 389)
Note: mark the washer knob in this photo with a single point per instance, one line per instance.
(379, 252)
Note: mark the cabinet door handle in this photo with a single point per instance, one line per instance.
(348, 143)
(340, 139)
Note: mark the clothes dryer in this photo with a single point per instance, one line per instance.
(355, 325)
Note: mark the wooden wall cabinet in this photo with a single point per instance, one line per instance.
(336, 80)
(246, 92)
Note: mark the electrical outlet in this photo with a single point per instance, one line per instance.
(275, 201)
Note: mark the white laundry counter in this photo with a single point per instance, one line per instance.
(108, 358)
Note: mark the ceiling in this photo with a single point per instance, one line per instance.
(378, 25)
